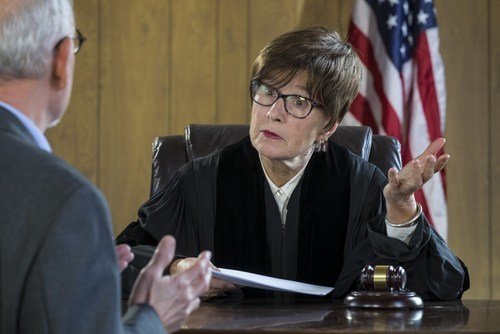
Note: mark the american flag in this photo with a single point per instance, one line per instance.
(403, 92)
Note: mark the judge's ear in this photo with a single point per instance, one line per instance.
(332, 129)
(61, 64)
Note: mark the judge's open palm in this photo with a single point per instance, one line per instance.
(402, 185)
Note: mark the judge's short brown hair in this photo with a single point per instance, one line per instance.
(331, 65)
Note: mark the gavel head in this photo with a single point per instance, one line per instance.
(392, 278)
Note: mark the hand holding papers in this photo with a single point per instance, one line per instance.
(269, 283)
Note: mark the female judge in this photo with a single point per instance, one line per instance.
(288, 202)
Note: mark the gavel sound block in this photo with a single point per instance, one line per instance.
(384, 287)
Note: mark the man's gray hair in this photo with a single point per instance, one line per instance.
(29, 30)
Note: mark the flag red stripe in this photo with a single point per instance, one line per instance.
(426, 87)
(361, 109)
(428, 94)
(390, 120)
(420, 198)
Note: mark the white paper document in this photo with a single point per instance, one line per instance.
(269, 283)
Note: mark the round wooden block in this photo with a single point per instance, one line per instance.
(383, 299)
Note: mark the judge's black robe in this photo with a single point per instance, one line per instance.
(335, 223)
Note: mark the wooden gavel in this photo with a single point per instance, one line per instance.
(380, 277)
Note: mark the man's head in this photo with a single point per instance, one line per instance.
(36, 53)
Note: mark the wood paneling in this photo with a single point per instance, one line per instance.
(193, 70)
(346, 7)
(317, 12)
(233, 101)
(151, 67)
(268, 20)
(464, 46)
(76, 138)
(134, 99)
(494, 107)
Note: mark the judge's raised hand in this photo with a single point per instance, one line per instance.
(398, 192)
(175, 296)
(217, 286)
(124, 256)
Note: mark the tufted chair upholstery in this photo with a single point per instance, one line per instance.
(171, 152)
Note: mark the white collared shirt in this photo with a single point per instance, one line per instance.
(282, 196)
(35, 132)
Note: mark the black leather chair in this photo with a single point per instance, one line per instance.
(171, 152)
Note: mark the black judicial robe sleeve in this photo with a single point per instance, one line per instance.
(434, 272)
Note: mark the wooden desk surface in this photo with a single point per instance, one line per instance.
(267, 316)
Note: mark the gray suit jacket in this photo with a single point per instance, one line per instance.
(58, 268)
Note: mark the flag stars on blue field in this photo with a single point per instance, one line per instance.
(400, 22)
(422, 17)
(392, 21)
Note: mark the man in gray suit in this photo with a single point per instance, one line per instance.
(58, 267)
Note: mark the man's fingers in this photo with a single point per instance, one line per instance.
(162, 256)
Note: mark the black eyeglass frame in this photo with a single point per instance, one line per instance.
(78, 38)
(254, 83)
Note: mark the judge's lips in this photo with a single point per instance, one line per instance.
(270, 134)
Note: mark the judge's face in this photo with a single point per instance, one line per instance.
(276, 134)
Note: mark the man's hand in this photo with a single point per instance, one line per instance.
(124, 255)
(173, 297)
(217, 286)
(398, 192)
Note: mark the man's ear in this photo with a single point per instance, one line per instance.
(60, 64)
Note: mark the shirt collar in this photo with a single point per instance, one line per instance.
(34, 131)
(288, 188)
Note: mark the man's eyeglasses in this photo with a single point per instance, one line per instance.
(78, 40)
(296, 105)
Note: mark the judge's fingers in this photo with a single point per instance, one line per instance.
(428, 168)
(220, 284)
(441, 162)
(432, 149)
(200, 270)
(415, 180)
(392, 176)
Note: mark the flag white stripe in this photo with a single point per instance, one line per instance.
(366, 22)
(438, 72)
(367, 89)
(419, 139)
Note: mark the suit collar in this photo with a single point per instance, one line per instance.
(10, 124)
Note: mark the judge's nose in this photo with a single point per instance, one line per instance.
(277, 111)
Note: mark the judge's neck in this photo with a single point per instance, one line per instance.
(282, 171)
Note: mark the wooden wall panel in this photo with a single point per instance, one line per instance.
(494, 110)
(346, 7)
(133, 99)
(75, 139)
(268, 19)
(464, 49)
(233, 72)
(318, 12)
(193, 70)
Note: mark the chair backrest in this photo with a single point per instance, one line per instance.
(171, 152)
